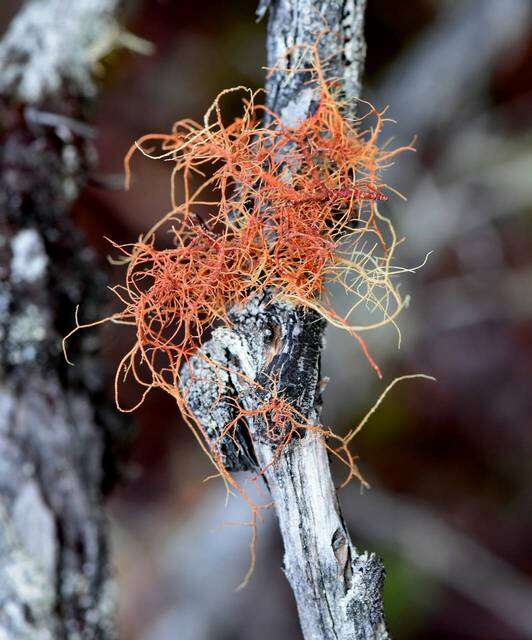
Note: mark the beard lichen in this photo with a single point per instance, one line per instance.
(268, 210)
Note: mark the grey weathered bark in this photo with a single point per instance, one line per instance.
(337, 588)
(54, 566)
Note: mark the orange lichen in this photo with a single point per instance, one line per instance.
(295, 209)
(270, 208)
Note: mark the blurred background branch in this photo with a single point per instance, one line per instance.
(55, 579)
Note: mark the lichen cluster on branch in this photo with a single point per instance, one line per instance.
(267, 208)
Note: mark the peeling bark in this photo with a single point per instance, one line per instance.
(54, 566)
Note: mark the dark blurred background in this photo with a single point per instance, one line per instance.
(449, 462)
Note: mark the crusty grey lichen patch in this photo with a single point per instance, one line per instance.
(29, 259)
(26, 601)
(38, 58)
(35, 527)
(26, 332)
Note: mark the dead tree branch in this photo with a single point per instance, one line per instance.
(337, 588)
